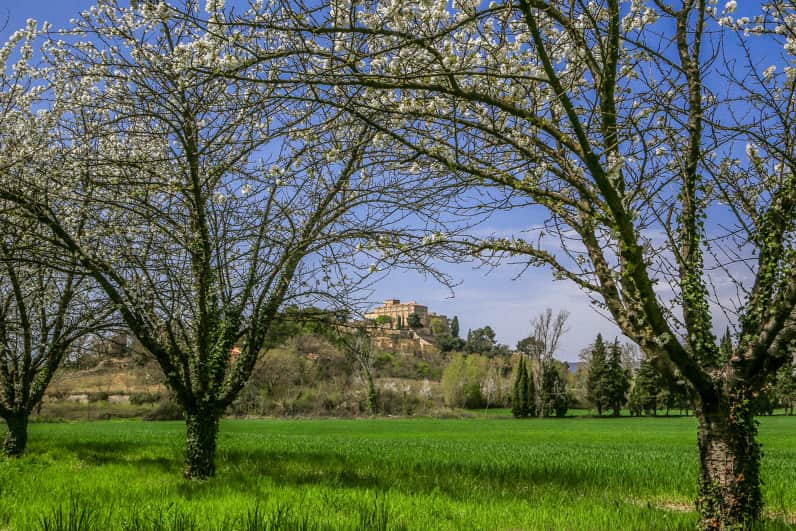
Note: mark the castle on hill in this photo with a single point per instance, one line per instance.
(395, 315)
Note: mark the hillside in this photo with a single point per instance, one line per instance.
(306, 376)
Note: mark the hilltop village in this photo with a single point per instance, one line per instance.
(401, 324)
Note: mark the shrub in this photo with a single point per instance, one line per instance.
(383, 320)
(166, 410)
(461, 381)
(57, 395)
(306, 403)
(139, 399)
(390, 401)
(99, 396)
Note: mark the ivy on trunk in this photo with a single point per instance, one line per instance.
(729, 454)
(628, 169)
(16, 438)
(200, 442)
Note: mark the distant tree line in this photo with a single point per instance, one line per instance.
(613, 384)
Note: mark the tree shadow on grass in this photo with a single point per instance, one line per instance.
(118, 453)
(459, 481)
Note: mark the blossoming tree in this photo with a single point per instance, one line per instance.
(47, 314)
(611, 130)
(211, 205)
(48, 310)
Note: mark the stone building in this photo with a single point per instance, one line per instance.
(399, 313)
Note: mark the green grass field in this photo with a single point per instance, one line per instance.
(576, 473)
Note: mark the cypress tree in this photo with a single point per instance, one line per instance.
(455, 326)
(553, 393)
(597, 371)
(646, 387)
(530, 395)
(725, 345)
(524, 389)
(519, 398)
(616, 381)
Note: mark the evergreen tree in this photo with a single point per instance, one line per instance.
(481, 341)
(554, 397)
(596, 378)
(519, 397)
(725, 346)
(523, 390)
(646, 388)
(523, 398)
(672, 395)
(785, 388)
(765, 402)
(530, 392)
(455, 326)
(616, 383)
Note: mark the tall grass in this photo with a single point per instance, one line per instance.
(378, 474)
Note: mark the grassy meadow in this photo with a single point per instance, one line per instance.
(486, 473)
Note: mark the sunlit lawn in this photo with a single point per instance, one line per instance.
(493, 473)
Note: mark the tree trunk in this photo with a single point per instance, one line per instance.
(16, 438)
(373, 396)
(729, 484)
(200, 451)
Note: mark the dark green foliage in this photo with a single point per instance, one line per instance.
(414, 321)
(166, 410)
(518, 391)
(608, 381)
(455, 326)
(99, 396)
(554, 398)
(785, 388)
(597, 368)
(481, 341)
(673, 395)
(449, 343)
(523, 397)
(764, 402)
(530, 347)
(646, 387)
(616, 381)
(725, 345)
(145, 398)
(500, 350)
(16, 438)
(531, 393)
(295, 321)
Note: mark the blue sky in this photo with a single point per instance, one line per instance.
(483, 296)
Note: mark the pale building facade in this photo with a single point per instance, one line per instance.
(399, 313)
